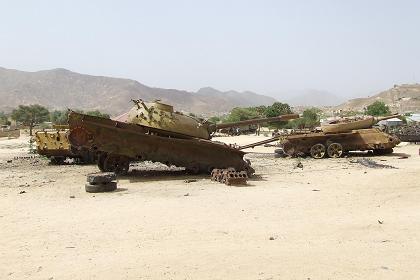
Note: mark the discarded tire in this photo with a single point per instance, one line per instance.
(101, 187)
(103, 177)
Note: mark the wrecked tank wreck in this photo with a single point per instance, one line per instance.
(335, 139)
(155, 132)
(53, 144)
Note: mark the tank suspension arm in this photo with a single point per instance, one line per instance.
(252, 145)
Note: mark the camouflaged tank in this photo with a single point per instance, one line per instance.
(155, 132)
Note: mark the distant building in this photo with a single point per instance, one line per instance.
(391, 122)
(413, 118)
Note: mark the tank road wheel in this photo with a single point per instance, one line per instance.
(317, 151)
(117, 164)
(335, 150)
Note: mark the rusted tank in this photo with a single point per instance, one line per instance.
(320, 144)
(155, 132)
(338, 138)
(54, 144)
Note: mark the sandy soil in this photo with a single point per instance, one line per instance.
(331, 219)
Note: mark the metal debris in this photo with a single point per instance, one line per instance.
(190, 180)
(229, 176)
(408, 133)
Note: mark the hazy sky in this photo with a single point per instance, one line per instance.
(350, 48)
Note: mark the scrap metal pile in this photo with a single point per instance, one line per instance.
(408, 133)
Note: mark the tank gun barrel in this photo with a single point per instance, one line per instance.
(257, 121)
(378, 119)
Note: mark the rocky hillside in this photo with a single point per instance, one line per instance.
(401, 99)
(61, 88)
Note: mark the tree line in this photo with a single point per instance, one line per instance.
(310, 117)
(31, 115)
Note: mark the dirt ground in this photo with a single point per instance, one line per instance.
(331, 219)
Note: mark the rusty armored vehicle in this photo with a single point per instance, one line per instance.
(54, 144)
(340, 137)
(155, 132)
(337, 138)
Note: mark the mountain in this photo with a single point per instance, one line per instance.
(61, 89)
(312, 97)
(401, 99)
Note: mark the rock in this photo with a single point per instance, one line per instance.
(72, 196)
(187, 194)
(21, 192)
(271, 238)
(190, 180)
(298, 164)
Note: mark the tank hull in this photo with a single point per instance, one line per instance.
(132, 142)
(355, 140)
(55, 145)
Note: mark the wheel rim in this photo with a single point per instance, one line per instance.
(318, 151)
(335, 150)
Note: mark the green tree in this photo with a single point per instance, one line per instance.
(378, 108)
(214, 119)
(310, 119)
(241, 114)
(30, 115)
(260, 110)
(277, 109)
(59, 117)
(3, 118)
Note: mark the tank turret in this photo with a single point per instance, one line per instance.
(158, 115)
(352, 124)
